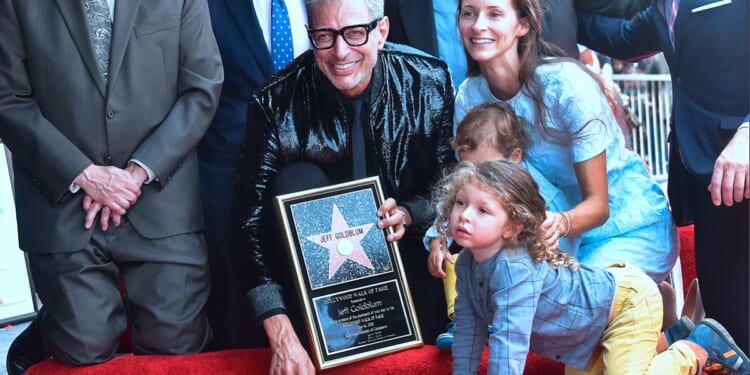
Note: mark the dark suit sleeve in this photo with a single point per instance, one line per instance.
(52, 159)
(200, 78)
(612, 8)
(413, 23)
(619, 38)
(559, 25)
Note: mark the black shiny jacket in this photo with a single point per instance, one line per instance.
(299, 116)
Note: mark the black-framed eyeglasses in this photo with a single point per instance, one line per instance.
(354, 35)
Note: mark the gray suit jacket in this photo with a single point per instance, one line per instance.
(57, 116)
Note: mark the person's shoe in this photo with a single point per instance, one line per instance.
(27, 349)
(679, 330)
(444, 340)
(719, 368)
(724, 356)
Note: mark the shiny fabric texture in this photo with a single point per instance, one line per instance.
(299, 116)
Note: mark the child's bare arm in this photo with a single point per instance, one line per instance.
(438, 254)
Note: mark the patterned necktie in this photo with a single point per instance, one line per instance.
(282, 50)
(672, 18)
(100, 32)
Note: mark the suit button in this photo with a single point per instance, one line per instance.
(107, 160)
(110, 113)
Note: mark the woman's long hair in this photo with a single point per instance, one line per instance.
(533, 52)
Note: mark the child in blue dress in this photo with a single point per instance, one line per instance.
(594, 320)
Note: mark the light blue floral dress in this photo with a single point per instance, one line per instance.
(640, 230)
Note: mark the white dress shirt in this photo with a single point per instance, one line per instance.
(297, 19)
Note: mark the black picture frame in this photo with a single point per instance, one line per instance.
(350, 280)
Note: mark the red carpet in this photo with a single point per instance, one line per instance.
(425, 360)
(687, 256)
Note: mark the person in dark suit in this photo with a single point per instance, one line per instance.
(102, 104)
(242, 33)
(709, 177)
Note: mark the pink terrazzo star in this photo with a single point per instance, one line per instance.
(343, 242)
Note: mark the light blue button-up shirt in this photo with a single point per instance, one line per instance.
(558, 313)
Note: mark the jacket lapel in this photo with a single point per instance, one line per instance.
(683, 14)
(247, 22)
(125, 12)
(72, 12)
(667, 49)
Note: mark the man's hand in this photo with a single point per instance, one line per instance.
(92, 208)
(730, 181)
(110, 187)
(398, 218)
(288, 356)
(439, 253)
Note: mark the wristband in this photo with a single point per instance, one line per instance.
(568, 223)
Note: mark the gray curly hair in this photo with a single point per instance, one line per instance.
(376, 7)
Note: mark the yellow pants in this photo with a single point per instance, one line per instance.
(449, 285)
(628, 345)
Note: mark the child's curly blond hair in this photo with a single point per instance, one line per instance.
(517, 193)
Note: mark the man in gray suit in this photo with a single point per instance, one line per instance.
(102, 104)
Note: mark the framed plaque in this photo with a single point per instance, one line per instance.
(349, 279)
(16, 293)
